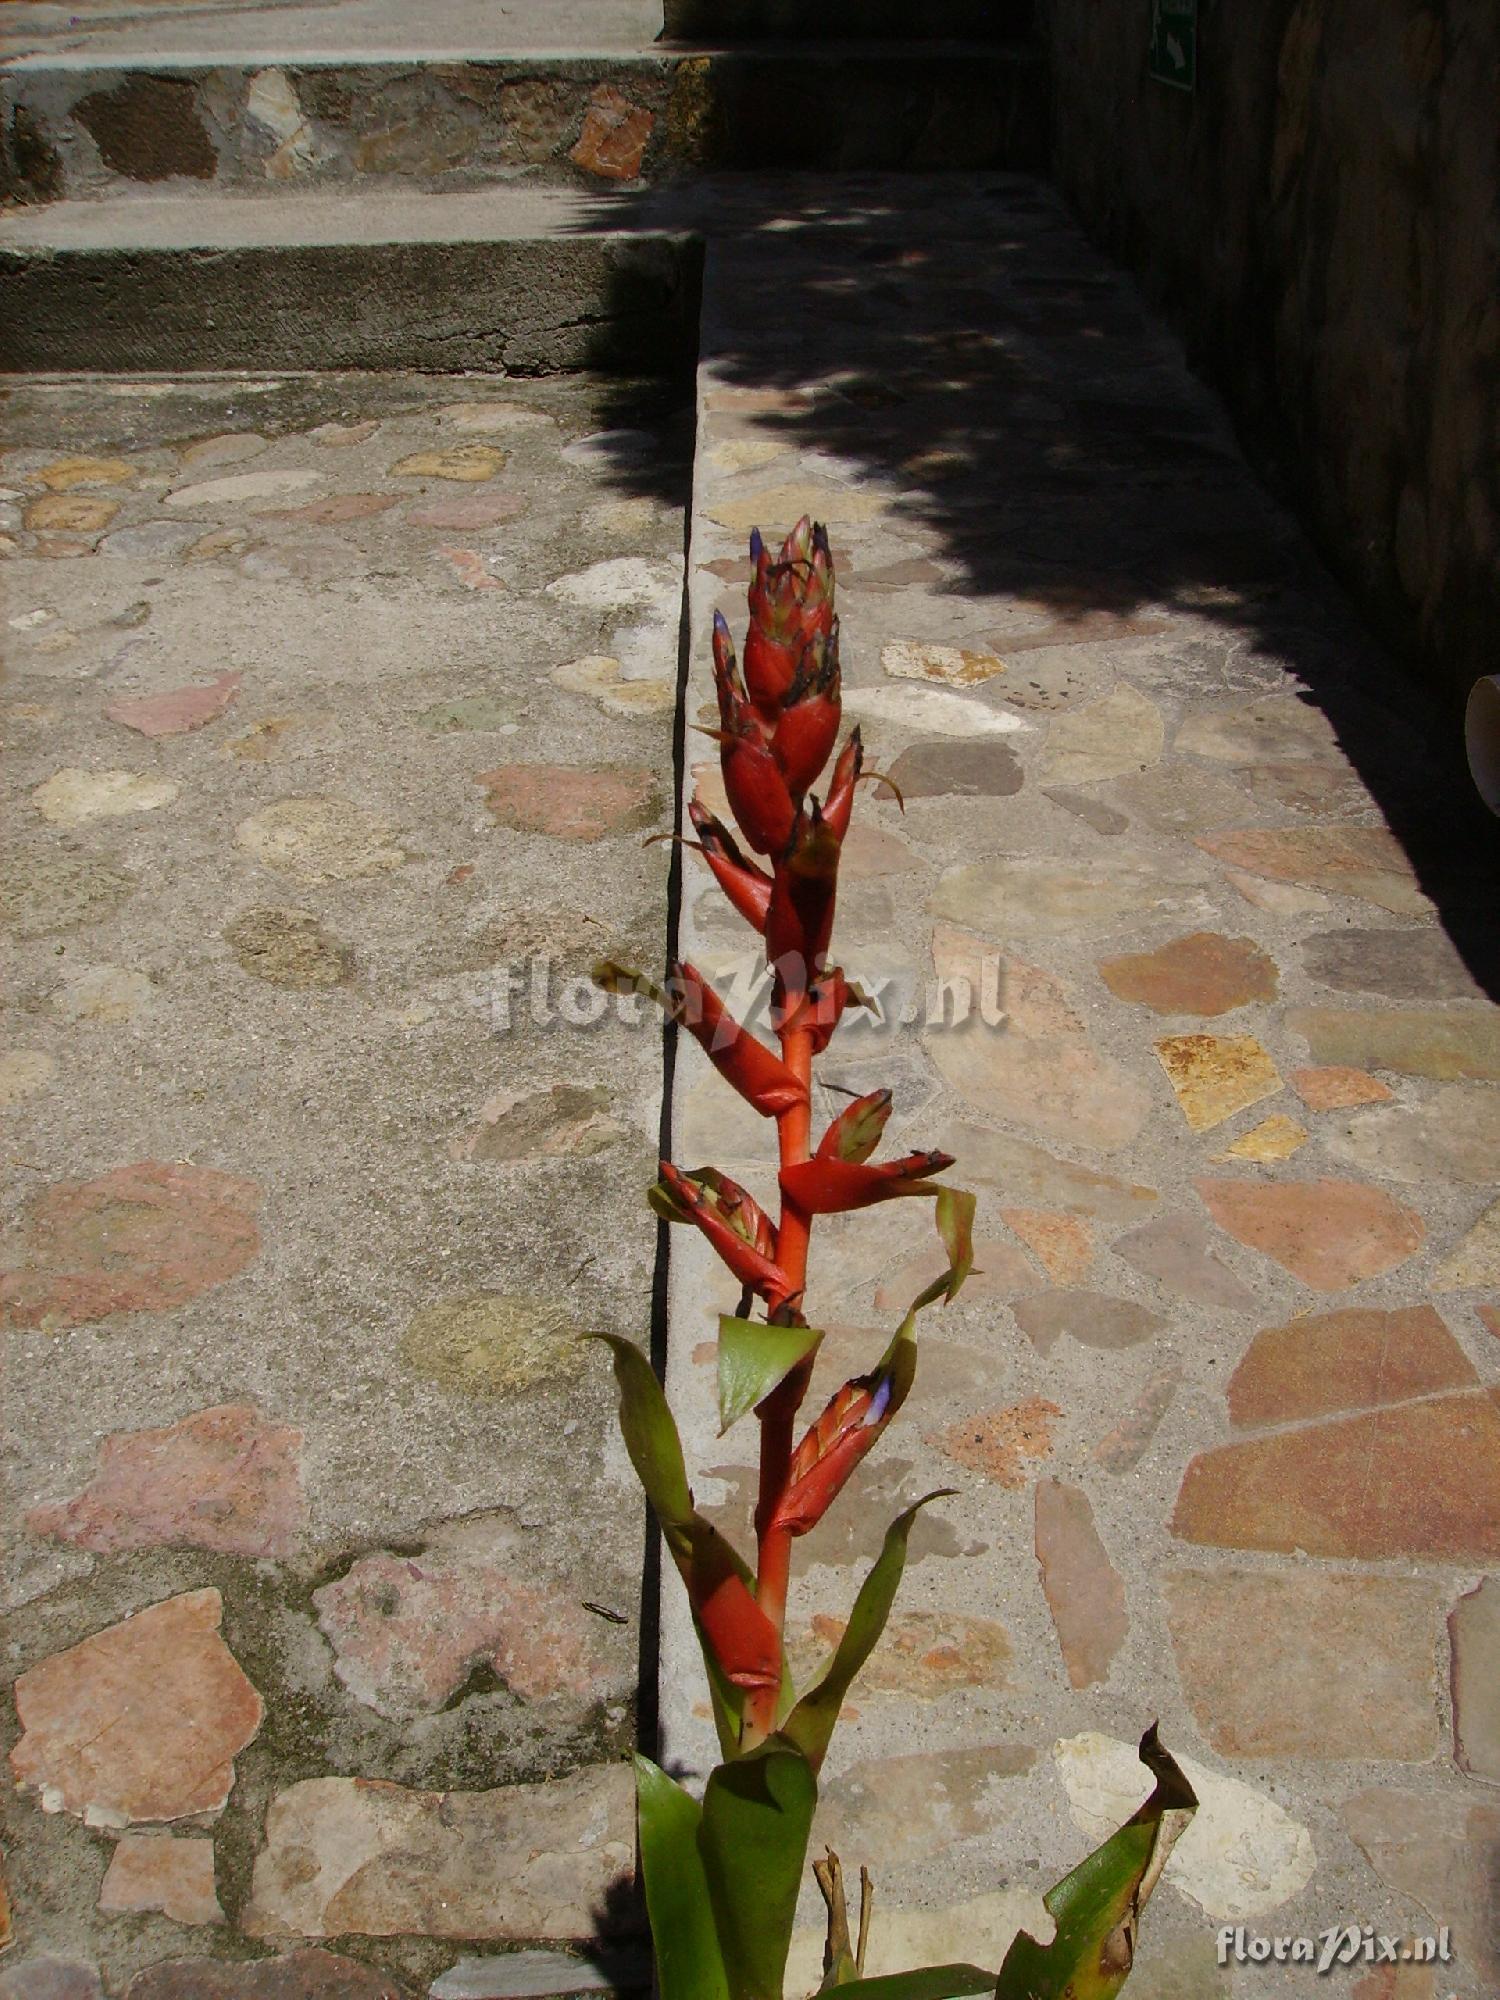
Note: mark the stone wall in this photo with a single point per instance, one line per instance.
(1321, 218)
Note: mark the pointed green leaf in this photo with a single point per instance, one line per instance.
(650, 1433)
(954, 1215)
(929, 1982)
(757, 1814)
(689, 1965)
(753, 1359)
(1097, 1908)
(811, 1723)
(855, 1133)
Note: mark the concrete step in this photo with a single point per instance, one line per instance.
(515, 281)
(258, 111)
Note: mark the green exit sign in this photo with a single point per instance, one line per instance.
(1173, 56)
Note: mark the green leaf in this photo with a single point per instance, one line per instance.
(954, 1215)
(689, 1965)
(1097, 1908)
(928, 1982)
(757, 1814)
(650, 1433)
(811, 1723)
(753, 1359)
(855, 1133)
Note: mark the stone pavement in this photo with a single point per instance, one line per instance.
(1223, 1403)
(331, 698)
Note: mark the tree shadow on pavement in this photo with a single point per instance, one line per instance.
(970, 351)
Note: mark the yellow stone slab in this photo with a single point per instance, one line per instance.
(1216, 1075)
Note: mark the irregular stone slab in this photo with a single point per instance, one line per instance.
(571, 802)
(358, 1857)
(42, 893)
(142, 1721)
(1334, 1088)
(1280, 898)
(1062, 1243)
(317, 839)
(955, 769)
(1012, 892)
(288, 948)
(1443, 1852)
(470, 567)
(598, 675)
(228, 447)
(141, 1238)
(1177, 1250)
(335, 510)
(407, 1631)
(569, 1120)
(469, 510)
(1240, 1856)
(220, 1479)
(179, 710)
(72, 797)
(1367, 862)
(1026, 1174)
(1398, 965)
(1123, 1448)
(916, 1805)
(1274, 1138)
(951, 666)
(622, 583)
(1103, 739)
(103, 994)
(774, 508)
(495, 414)
(70, 514)
(1214, 1076)
(242, 487)
(50, 1979)
(1275, 729)
(1308, 1664)
(930, 711)
(1083, 1590)
(1474, 1638)
(1177, 798)
(1328, 1233)
(998, 1443)
(1455, 1136)
(921, 1653)
(1476, 1261)
(545, 1975)
(1202, 973)
(492, 1343)
(147, 539)
(1356, 1359)
(298, 1975)
(1092, 1318)
(64, 474)
(23, 1072)
(1038, 1069)
(1437, 1493)
(465, 464)
(491, 714)
(164, 1872)
(1445, 1044)
(614, 136)
(1093, 812)
(1324, 791)
(1489, 1319)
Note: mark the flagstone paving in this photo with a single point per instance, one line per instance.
(335, 700)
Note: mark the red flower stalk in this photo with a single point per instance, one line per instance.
(779, 724)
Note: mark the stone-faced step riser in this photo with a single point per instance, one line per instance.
(588, 121)
(528, 306)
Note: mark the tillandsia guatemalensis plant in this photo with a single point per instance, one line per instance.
(722, 1876)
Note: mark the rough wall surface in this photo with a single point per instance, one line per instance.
(1322, 219)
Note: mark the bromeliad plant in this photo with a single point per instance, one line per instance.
(722, 1876)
